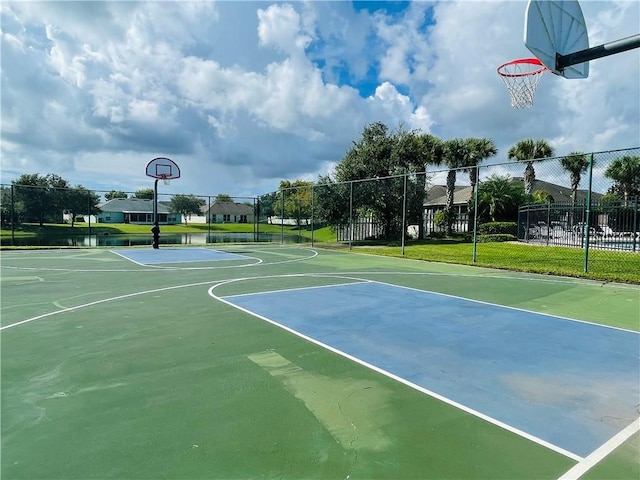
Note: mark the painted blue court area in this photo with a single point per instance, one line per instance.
(154, 256)
(568, 383)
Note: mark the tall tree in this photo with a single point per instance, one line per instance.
(480, 149)
(625, 172)
(115, 194)
(80, 200)
(297, 199)
(527, 151)
(144, 193)
(414, 152)
(456, 155)
(224, 198)
(31, 191)
(576, 163)
(186, 205)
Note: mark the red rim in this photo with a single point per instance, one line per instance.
(531, 61)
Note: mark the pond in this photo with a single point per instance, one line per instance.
(127, 240)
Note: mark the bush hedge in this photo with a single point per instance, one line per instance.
(496, 237)
(499, 228)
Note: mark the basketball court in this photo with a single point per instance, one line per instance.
(261, 361)
(254, 360)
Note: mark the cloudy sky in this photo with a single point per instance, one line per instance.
(242, 94)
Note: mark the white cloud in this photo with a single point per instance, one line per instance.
(244, 94)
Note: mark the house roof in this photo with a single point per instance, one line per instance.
(132, 205)
(231, 208)
(436, 196)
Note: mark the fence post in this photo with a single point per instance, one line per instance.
(256, 218)
(475, 215)
(635, 224)
(350, 214)
(13, 228)
(587, 225)
(404, 211)
(282, 218)
(312, 212)
(89, 209)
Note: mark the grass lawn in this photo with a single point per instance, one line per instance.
(603, 265)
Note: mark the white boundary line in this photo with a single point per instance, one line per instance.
(587, 463)
(435, 395)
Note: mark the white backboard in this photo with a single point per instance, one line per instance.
(556, 27)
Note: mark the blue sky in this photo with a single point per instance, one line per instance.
(244, 94)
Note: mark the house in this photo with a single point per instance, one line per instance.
(135, 210)
(437, 199)
(229, 212)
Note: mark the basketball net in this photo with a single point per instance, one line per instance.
(521, 78)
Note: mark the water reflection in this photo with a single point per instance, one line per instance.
(129, 240)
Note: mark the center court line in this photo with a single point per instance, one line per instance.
(433, 394)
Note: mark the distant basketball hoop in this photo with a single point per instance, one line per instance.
(165, 169)
(521, 78)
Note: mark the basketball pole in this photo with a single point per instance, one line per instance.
(604, 50)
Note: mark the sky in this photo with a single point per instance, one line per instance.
(244, 94)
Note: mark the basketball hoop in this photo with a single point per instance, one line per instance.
(521, 78)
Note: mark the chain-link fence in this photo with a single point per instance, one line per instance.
(580, 209)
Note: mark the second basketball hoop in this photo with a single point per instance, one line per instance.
(521, 78)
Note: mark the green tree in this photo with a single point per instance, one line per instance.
(414, 151)
(480, 149)
(144, 193)
(527, 151)
(625, 172)
(499, 198)
(576, 163)
(115, 194)
(186, 205)
(223, 198)
(79, 200)
(32, 192)
(266, 205)
(297, 199)
(456, 155)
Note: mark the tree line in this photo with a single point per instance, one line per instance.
(36, 198)
(399, 159)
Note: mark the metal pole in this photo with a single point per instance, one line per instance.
(312, 213)
(208, 219)
(350, 215)
(89, 215)
(156, 225)
(588, 212)
(256, 207)
(604, 50)
(475, 215)
(404, 211)
(635, 224)
(548, 221)
(13, 227)
(282, 218)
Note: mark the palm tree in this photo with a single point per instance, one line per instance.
(576, 163)
(527, 151)
(480, 150)
(456, 155)
(625, 172)
(501, 195)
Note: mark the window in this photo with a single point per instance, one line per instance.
(226, 217)
(243, 219)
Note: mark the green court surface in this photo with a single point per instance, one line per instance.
(121, 369)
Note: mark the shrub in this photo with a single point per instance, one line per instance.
(499, 228)
(497, 237)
